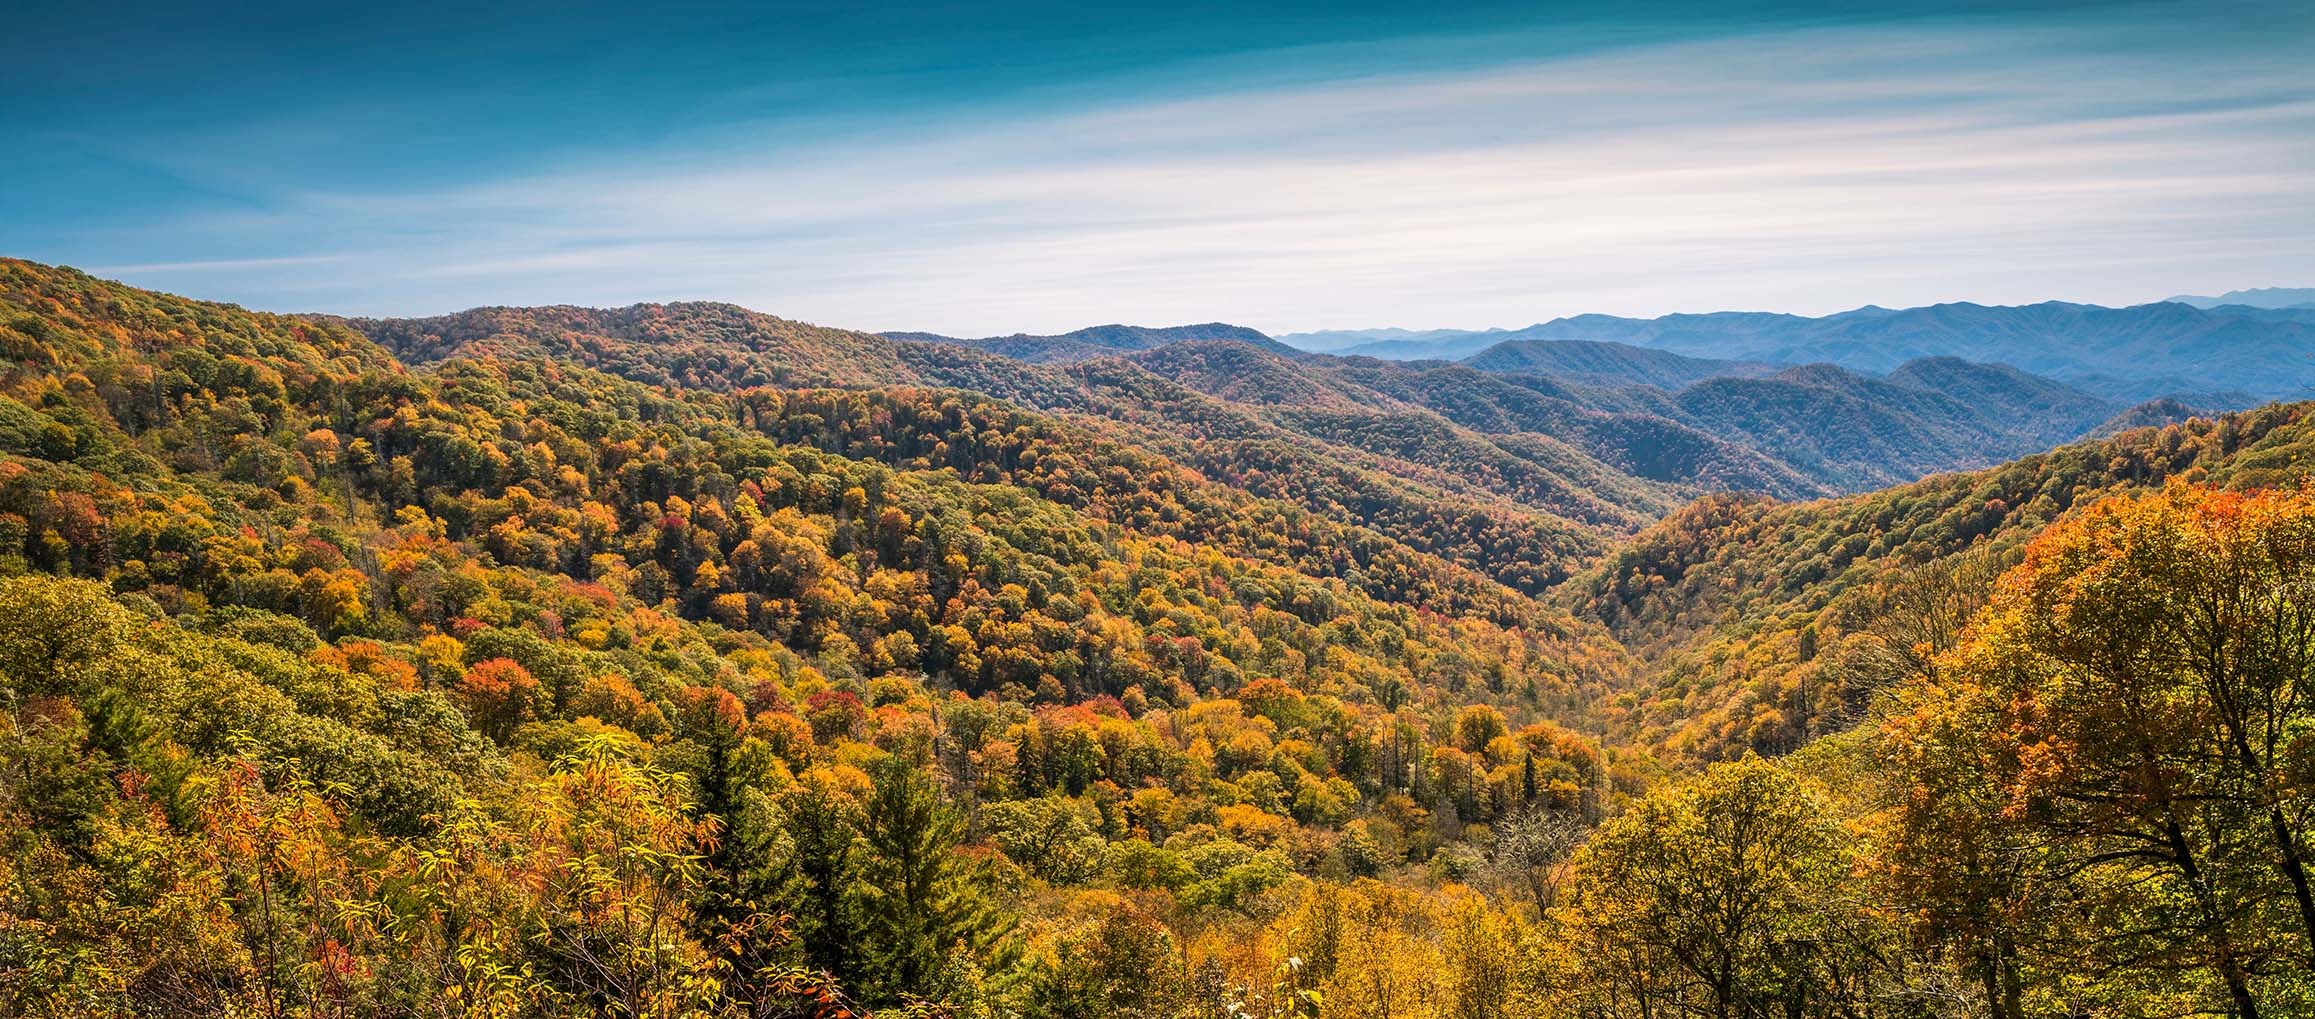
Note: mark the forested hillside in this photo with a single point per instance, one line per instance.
(1762, 624)
(681, 661)
(1610, 364)
(1516, 472)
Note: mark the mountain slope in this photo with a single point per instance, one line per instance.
(1609, 364)
(1618, 428)
(700, 344)
(2151, 414)
(1856, 432)
(1762, 624)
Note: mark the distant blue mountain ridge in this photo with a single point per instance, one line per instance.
(2170, 348)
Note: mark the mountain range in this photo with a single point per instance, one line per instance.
(2223, 354)
(1558, 446)
(1514, 482)
(2263, 297)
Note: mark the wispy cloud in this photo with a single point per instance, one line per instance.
(1803, 170)
(214, 265)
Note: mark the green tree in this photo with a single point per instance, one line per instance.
(52, 630)
(922, 903)
(818, 880)
(1048, 836)
(1125, 967)
(1722, 897)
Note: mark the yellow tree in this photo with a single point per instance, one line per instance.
(2144, 685)
(1722, 897)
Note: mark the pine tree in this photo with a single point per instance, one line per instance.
(921, 902)
(818, 881)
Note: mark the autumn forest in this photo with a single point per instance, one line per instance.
(682, 661)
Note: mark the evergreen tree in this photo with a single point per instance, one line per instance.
(817, 882)
(921, 902)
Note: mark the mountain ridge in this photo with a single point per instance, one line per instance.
(1580, 403)
(1095, 341)
(1603, 362)
(2256, 297)
(2169, 347)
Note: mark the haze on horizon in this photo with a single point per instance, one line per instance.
(1042, 166)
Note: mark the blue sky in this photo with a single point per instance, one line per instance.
(985, 168)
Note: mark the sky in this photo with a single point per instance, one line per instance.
(999, 167)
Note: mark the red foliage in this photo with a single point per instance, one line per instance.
(498, 695)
